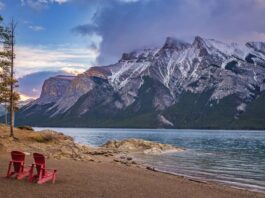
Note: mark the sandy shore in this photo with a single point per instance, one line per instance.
(97, 172)
(106, 178)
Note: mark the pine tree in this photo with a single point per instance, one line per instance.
(4, 64)
(8, 82)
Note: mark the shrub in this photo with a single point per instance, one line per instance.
(29, 128)
(44, 138)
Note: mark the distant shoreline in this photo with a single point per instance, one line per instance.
(184, 129)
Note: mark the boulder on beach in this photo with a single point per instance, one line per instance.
(139, 145)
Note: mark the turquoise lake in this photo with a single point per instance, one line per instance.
(234, 158)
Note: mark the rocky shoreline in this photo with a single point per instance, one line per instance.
(111, 166)
(55, 145)
(140, 146)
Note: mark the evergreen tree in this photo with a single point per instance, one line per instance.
(8, 82)
(4, 64)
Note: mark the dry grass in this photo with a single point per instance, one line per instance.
(50, 143)
(44, 138)
(25, 135)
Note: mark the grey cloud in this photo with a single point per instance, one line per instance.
(128, 26)
(85, 29)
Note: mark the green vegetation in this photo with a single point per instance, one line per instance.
(8, 96)
(29, 128)
(254, 117)
(197, 111)
(43, 138)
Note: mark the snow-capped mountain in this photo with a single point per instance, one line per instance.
(206, 84)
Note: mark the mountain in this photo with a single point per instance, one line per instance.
(30, 85)
(20, 105)
(205, 84)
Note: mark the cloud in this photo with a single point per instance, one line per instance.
(2, 5)
(126, 25)
(24, 97)
(73, 71)
(252, 36)
(259, 3)
(86, 29)
(40, 4)
(59, 1)
(33, 58)
(36, 28)
(130, 1)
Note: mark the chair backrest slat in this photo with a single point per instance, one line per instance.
(39, 162)
(19, 160)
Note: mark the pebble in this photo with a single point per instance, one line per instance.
(150, 168)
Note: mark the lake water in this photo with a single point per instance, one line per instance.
(234, 158)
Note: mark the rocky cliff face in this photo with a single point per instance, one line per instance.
(206, 84)
(53, 89)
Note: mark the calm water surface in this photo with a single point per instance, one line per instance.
(235, 158)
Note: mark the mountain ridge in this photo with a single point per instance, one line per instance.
(145, 88)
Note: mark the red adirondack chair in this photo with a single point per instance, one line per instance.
(43, 174)
(18, 162)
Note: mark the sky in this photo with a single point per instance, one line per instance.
(73, 35)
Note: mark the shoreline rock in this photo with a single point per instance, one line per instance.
(140, 146)
(56, 145)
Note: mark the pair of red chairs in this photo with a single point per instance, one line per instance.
(42, 173)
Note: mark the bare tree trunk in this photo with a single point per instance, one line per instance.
(12, 112)
(6, 113)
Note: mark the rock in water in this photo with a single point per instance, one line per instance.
(143, 146)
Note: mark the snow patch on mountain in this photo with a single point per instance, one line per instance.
(177, 66)
(164, 121)
(242, 107)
